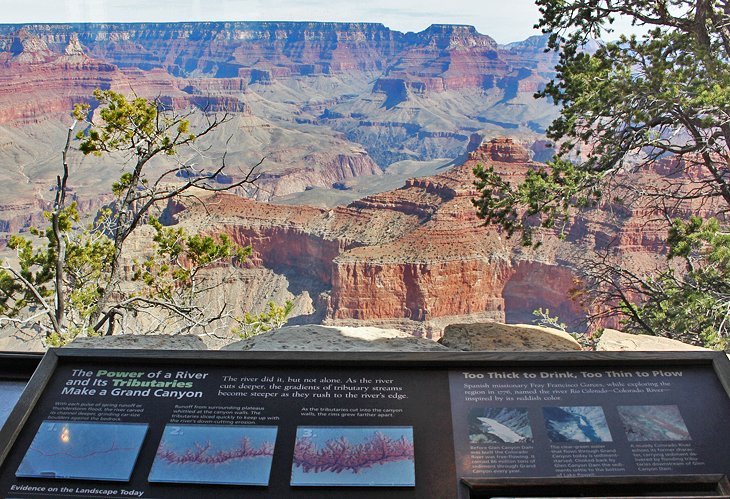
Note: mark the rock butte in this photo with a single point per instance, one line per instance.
(419, 253)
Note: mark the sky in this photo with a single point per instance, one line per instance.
(504, 21)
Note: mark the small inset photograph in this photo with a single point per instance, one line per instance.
(356, 456)
(499, 425)
(207, 454)
(83, 451)
(10, 392)
(644, 423)
(576, 424)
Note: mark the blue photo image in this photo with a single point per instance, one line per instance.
(206, 454)
(576, 424)
(10, 392)
(83, 451)
(356, 456)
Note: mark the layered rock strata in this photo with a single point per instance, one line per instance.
(438, 58)
(418, 253)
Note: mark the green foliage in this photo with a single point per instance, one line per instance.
(135, 125)
(544, 319)
(624, 105)
(544, 198)
(69, 278)
(172, 271)
(84, 268)
(57, 340)
(588, 340)
(694, 305)
(273, 318)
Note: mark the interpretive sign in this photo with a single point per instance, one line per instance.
(589, 422)
(161, 425)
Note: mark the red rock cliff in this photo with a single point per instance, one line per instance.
(415, 253)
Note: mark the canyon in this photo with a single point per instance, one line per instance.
(418, 258)
(324, 104)
(362, 212)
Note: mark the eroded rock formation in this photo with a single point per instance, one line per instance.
(323, 103)
(418, 253)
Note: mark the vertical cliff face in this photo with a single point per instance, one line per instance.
(230, 49)
(417, 253)
(439, 58)
(418, 291)
(533, 284)
(443, 57)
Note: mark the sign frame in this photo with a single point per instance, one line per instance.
(438, 361)
(17, 367)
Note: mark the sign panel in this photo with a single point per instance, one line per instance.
(15, 371)
(226, 424)
(163, 431)
(589, 422)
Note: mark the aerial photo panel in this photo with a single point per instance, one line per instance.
(364, 456)
(499, 425)
(83, 451)
(208, 454)
(644, 423)
(576, 424)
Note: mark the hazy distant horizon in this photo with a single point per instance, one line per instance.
(504, 23)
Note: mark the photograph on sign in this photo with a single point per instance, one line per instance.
(576, 424)
(499, 425)
(209, 454)
(9, 394)
(362, 456)
(83, 451)
(644, 423)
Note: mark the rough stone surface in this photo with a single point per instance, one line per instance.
(495, 337)
(12, 340)
(612, 340)
(485, 336)
(333, 339)
(144, 342)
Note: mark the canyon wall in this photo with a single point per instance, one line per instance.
(418, 257)
(324, 104)
(416, 254)
(321, 103)
(441, 57)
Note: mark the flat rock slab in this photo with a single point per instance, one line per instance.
(612, 340)
(21, 342)
(140, 341)
(497, 337)
(337, 339)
